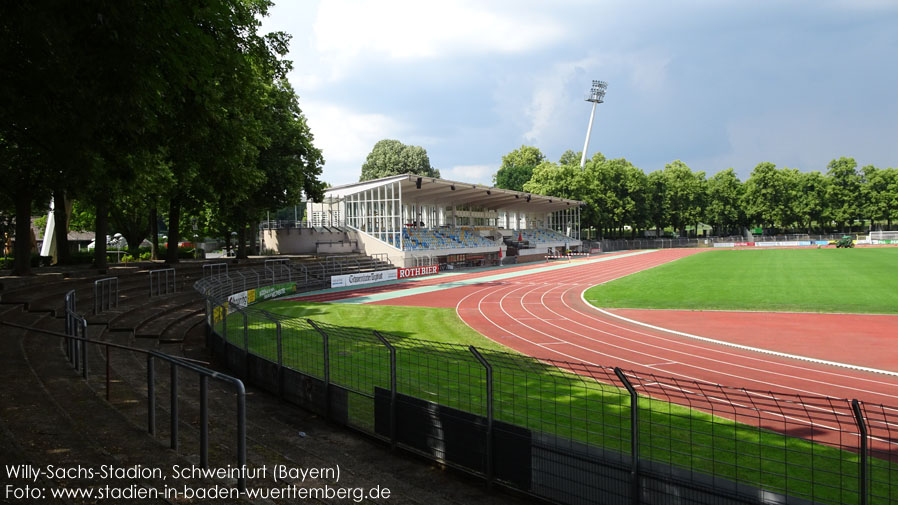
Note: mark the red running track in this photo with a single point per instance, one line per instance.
(543, 315)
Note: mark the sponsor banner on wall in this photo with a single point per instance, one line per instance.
(804, 242)
(786, 243)
(274, 291)
(239, 300)
(405, 273)
(338, 281)
(745, 244)
(821, 242)
(724, 244)
(251, 296)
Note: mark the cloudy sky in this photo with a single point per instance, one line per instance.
(714, 83)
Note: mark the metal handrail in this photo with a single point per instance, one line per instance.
(162, 281)
(175, 362)
(106, 294)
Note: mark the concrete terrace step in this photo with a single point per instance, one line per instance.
(178, 330)
(156, 326)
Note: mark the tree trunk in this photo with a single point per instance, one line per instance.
(102, 227)
(154, 232)
(174, 222)
(61, 223)
(253, 234)
(22, 250)
(241, 242)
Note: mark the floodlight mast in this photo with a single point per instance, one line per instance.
(596, 96)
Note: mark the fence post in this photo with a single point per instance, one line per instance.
(151, 395)
(204, 421)
(862, 470)
(224, 321)
(174, 407)
(245, 332)
(84, 348)
(280, 344)
(327, 369)
(392, 350)
(489, 413)
(634, 435)
(241, 434)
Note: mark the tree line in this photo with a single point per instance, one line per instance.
(139, 109)
(621, 199)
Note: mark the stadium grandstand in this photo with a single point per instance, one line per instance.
(414, 220)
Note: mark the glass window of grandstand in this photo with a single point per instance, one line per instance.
(375, 211)
(566, 222)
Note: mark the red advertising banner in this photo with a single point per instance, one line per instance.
(405, 273)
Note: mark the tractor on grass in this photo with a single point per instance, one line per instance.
(846, 241)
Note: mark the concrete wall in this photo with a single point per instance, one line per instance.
(307, 241)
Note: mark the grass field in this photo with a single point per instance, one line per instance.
(861, 280)
(541, 397)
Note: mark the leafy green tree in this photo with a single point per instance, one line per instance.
(812, 205)
(517, 168)
(551, 179)
(763, 195)
(616, 192)
(570, 158)
(130, 207)
(685, 194)
(844, 191)
(724, 211)
(882, 194)
(392, 157)
(214, 128)
(789, 212)
(288, 162)
(657, 201)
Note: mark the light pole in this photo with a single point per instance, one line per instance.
(596, 96)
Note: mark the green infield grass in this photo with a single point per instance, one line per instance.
(860, 280)
(541, 397)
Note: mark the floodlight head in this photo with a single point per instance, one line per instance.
(597, 92)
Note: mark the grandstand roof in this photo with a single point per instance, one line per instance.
(460, 193)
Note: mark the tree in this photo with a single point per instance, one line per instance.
(288, 162)
(214, 129)
(657, 204)
(392, 157)
(570, 158)
(551, 179)
(763, 195)
(882, 194)
(685, 194)
(130, 207)
(844, 191)
(789, 211)
(812, 205)
(517, 168)
(724, 210)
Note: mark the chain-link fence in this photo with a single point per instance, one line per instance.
(566, 432)
(609, 245)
